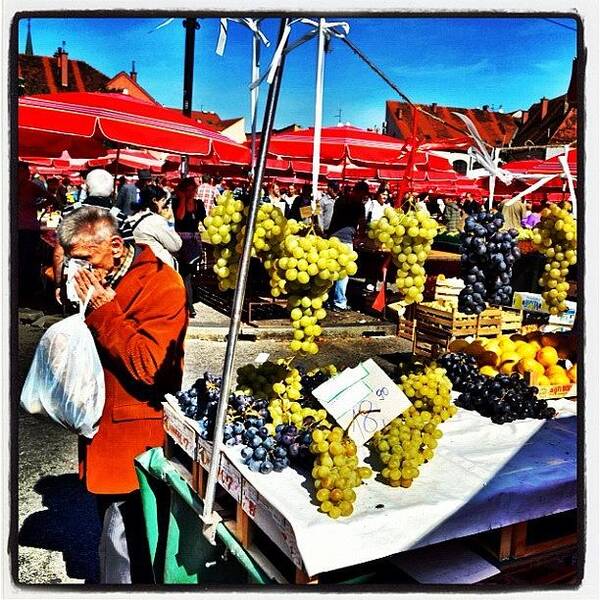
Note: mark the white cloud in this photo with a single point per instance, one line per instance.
(444, 70)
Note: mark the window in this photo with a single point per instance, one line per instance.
(460, 166)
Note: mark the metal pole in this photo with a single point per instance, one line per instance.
(254, 97)
(116, 174)
(190, 24)
(316, 158)
(210, 520)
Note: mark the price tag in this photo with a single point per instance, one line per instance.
(230, 478)
(364, 398)
(306, 212)
(249, 500)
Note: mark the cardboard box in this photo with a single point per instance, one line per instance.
(535, 303)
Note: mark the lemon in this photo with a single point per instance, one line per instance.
(488, 370)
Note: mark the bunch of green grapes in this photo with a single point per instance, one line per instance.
(556, 238)
(281, 385)
(304, 271)
(336, 471)
(404, 445)
(223, 226)
(408, 236)
(430, 393)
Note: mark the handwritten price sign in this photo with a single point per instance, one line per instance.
(363, 398)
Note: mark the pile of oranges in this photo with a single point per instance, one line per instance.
(549, 358)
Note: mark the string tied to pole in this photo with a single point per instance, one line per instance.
(482, 155)
(251, 24)
(338, 29)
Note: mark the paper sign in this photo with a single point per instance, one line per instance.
(364, 389)
(306, 212)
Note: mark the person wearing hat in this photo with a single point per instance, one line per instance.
(129, 193)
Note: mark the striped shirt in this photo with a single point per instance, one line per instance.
(123, 224)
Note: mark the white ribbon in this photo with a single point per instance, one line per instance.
(329, 30)
(251, 24)
(564, 161)
(163, 24)
(481, 154)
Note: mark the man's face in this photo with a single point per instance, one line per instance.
(292, 189)
(104, 256)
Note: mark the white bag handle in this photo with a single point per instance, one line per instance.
(83, 305)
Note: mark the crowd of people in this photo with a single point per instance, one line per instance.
(168, 217)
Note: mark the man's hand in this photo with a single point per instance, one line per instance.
(84, 280)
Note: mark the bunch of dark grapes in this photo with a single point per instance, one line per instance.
(505, 398)
(200, 403)
(261, 452)
(462, 370)
(311, 380)
(488, 255)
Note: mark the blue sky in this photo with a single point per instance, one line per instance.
(465, 62)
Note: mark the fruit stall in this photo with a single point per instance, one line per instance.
(479, 417)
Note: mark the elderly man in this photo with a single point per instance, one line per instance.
(99, 184)
(138, 318)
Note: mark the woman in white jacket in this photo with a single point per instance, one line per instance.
(152, 229)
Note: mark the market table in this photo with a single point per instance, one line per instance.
(483, 477)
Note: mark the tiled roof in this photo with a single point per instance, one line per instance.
(41, 76)
(495, 128)
(559, 124)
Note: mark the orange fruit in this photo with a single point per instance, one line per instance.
(572, 373)
(549, 340)
(529, 365)
(547, 356)
(527, 350)
(542, 380)
(488, 370)
(559, 379)
(555, 370)
(508, 361)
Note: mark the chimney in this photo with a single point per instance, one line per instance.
(525, 117)
(544, 108)
(62, 60)
(434, 108)
(133, 73)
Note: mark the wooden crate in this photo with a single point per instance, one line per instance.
(553, 391)
(445, 290)
(458, 324)
(403, 316)
(518, 540)
(512, 320)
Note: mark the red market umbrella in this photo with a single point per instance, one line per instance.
(339, 144)
(64, 161)
(128, 160)
(83, 121)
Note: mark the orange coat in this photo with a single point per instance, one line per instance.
(139, 336)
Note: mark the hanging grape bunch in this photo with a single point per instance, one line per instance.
(408, 236)
(336, 471)
(304, 271)
(223, 225)
(556, 238)
(488, 256)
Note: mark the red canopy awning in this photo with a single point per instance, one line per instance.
(338, 144)
(128, 160)
(82, 121)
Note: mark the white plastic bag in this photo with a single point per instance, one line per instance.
(66, 380)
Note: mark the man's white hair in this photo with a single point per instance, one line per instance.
(99, 183)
